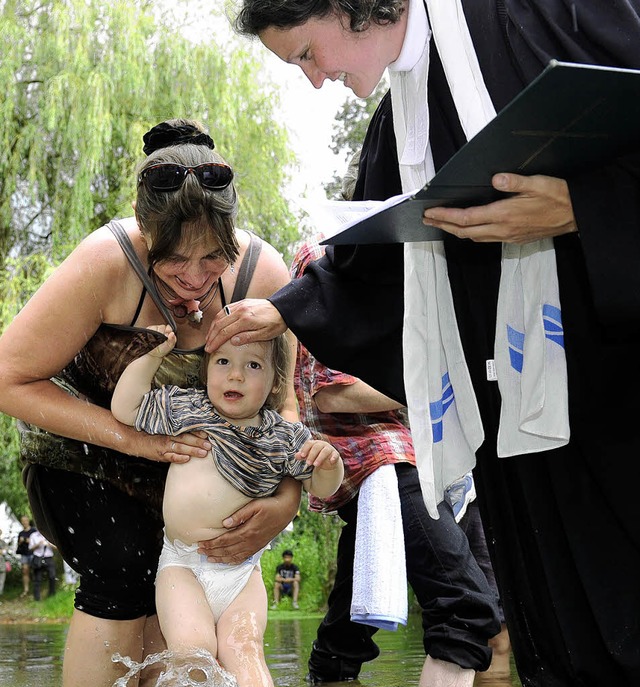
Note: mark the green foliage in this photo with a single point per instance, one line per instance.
(60, 605)
(350, 129)
(314, 542)
(83, 80)
(353, 119)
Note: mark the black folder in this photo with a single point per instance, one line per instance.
(572, 116)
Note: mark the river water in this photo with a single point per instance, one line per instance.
(31, 655)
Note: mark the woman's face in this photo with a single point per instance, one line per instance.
(193, 268)
(324, 49)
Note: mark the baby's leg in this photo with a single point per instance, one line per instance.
(185, 618)
(240, 635)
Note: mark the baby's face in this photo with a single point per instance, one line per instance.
(239, 381)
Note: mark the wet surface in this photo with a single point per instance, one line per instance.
(31, 656)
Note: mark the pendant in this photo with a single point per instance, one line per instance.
(180, 311)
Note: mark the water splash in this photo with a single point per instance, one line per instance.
(196, 669)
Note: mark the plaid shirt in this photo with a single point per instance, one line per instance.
(364, 441)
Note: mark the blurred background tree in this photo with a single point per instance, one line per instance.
(349, 131)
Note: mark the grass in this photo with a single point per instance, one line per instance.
(57, 608)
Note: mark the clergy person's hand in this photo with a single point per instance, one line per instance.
(541, 208)
(252, 319)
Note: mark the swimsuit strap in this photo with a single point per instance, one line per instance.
(127, 247)
(136, 314)
(247, 267)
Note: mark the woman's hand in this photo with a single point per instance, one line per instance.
(253, 526)
(540, 209)
(168, 449)
(244, 322)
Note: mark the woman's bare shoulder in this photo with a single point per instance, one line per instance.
(271, 273)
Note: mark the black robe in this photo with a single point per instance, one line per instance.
(561, 525)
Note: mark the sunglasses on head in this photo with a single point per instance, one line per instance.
(167, 176)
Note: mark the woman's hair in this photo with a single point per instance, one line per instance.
(255, 16)
(190, 213)
(280, 359)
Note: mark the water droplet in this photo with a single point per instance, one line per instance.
(184, 670)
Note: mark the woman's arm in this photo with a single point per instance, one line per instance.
(358, 397)
(253, 526)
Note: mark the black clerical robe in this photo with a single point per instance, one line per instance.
(562, 525)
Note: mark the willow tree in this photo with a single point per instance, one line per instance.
(82, 81)
(349, 130)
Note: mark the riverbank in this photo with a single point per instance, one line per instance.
(14, 609)
(58, 608)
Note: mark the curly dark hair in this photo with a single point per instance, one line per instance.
(255, 16)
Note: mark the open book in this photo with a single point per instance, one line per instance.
(569, 118)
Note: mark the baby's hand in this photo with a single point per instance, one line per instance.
(320, 454)
(166, 346)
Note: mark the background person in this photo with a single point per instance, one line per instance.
(287, 580)
(95, 485)
(42, 563)
(71, 578)
(549, 539)
(22, 550)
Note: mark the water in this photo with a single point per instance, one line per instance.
(31, 655)
(198, 669)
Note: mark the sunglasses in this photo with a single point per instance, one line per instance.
(170, 177)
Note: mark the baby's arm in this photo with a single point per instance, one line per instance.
(328, 470)
(136, 379)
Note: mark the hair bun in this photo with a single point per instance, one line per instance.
(164, 135)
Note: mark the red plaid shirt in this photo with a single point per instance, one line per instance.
(364, 441)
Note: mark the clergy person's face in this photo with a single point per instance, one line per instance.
(325, 49)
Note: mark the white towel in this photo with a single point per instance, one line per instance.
(379, 566)
(447, 434)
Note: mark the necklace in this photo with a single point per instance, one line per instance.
(191, 308)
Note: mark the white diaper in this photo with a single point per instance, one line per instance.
(221, 582)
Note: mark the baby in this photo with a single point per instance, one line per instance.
(201, 605)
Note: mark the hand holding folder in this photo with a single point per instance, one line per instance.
(571, 117)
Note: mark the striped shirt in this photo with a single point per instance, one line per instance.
(253, 459)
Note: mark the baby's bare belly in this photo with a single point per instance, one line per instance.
(196, 501)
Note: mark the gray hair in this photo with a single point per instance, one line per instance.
(255, 16)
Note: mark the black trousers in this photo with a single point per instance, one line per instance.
(459, 612)
(49, 569)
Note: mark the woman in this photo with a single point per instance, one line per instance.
(22, 550)
(553, 517)
(95, 485)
